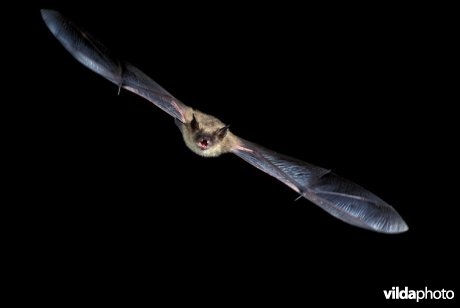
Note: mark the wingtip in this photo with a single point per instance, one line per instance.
(396, 227)
(403, 227)
(47, 14)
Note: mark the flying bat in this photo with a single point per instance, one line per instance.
(207, 136)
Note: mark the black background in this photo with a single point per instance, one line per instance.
(111, 202)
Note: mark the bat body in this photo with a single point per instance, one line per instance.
(207, 136)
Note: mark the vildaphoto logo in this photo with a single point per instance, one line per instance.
(406, 293)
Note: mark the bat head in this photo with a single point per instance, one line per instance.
(207, 137)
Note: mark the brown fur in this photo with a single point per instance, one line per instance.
(208, 124)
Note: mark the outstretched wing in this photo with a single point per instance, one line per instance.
(95, 56)
(339, 197)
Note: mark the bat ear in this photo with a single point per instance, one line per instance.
(221, 132)
(195, 125)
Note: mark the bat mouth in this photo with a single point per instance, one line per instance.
(203, 144)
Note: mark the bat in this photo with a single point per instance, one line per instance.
(207, 136)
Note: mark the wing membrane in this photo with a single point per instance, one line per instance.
(339, 197)
(98, 58)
